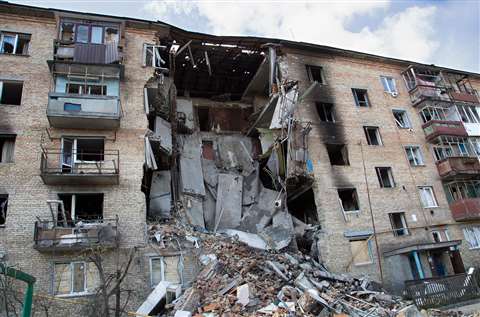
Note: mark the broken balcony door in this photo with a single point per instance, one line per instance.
(67, 155)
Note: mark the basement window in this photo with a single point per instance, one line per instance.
(373, 135)
(14, 43)
(399, 224)
(325, 111)
(151, 55)
(3, 209)
(75, 278)
(385, 177)
(401, 119)
(414, 155)
(80, 207)
(315, 73)
(361, 251)
(338, 154)
(361, 97)
(164, 268)
(11, 92)
(7, 147)
(349, 199)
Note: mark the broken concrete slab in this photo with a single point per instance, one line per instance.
(228, 211)
(251, 184)
(243, 294)
(185, 107)
(276, 237)
(182, 313)
(250, 239)
(259, 215)
(194, 210)
(209, 206)
(235, 154)
(158, 293)
(160, 195)
(163, 130)
(190, 165)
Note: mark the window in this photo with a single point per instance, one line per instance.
(389, 84)
(325, 111)
(7, 147)
(462, 190)
(14, 43)
(414, 155)
(80, 207)
(75, 278)
(83, 149)
(76, 31)
(361, 251)
(315, 73)
(11, 92)
(373, 135)
(440, 235)
(401, 119)
(468, 113)
(164, 269)
(152, 56)
(385, 177)
(361, 97)
(448, 146)
(86, 89)
(427, 197)
(348, 199)
(3, 209)
(472, 236)
(399, 224)
(338, 154)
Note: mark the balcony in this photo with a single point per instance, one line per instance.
(87, 53)
(83, 111)
(64, 168)
(458, 166)
(466, 209)
(50, 237)
(435, 128)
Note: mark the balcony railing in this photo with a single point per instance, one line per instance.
(50, 236)
(436, 128)
(421, 93)
(458, 166)
(465, 209)
(441, 291)
(87, 53)
(75, 167)
(83, 111)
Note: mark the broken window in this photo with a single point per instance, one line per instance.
(361, 97)
(82, 32)
(3, 209)
(164, 269)
(7, 147)
(401, 119)
(203, 114)
(472, 236)
(338, 154)
(414, 155)
(361, 251)
(315, 73)
(14, 43)
(373, 135)
(75, 278)
(385, 177)
(437, 237)
(85, 89)
(427, 197)
(11, 92)
(389, 84)
(399, 224)
(468, 113)
(302, 206)
(152, 57)
(83, 150)
(325, 111)
(81, 207)
(349, 199)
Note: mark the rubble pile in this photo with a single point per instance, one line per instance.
(237, 280)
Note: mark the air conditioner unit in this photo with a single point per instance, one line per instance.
(394, 94)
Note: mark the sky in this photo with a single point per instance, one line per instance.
(442, 32)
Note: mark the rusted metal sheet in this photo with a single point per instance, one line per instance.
(89, 53)
(111, 53)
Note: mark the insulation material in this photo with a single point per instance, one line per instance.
(160, 195)
(163, 130)
(185, 107)
(190, 165)
(284, 109)
(228, 212)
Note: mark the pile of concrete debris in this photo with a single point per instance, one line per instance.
(237, 280)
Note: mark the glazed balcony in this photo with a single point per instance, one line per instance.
(66, 168)
(83, 111)
(436, 128)
(458, 166)
(58, 237)
(466, 209)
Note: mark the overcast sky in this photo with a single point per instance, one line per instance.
(442, 32)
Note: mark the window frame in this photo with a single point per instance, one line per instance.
(386, 85)
(2, 81)
(473, 235)
(310, 75)
(411, 148)
(356, 199)
(377, 135)
(389, 175)
(369, 251)
(343, 150)
(87, 290)
(8, 137)
(16, 35)
(74, 140)
(5, 206)
(358, 103)
(432, 195)
(154, 56)
(403, 220)
(405, 116)
(162, 268)
(320, 106)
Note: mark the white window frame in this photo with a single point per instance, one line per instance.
(310, 77)
(472, 236)
(389, 175)
(432, 195)
(155, 55)
(369, 250)
(86, 291)
(404, 227)
(74, 149)
(10, 81)
(405, 116)
(414, 150)
(377, 134)
(2, 38)
(390, 87)
(162, 268)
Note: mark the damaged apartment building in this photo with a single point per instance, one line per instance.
(112, 129)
